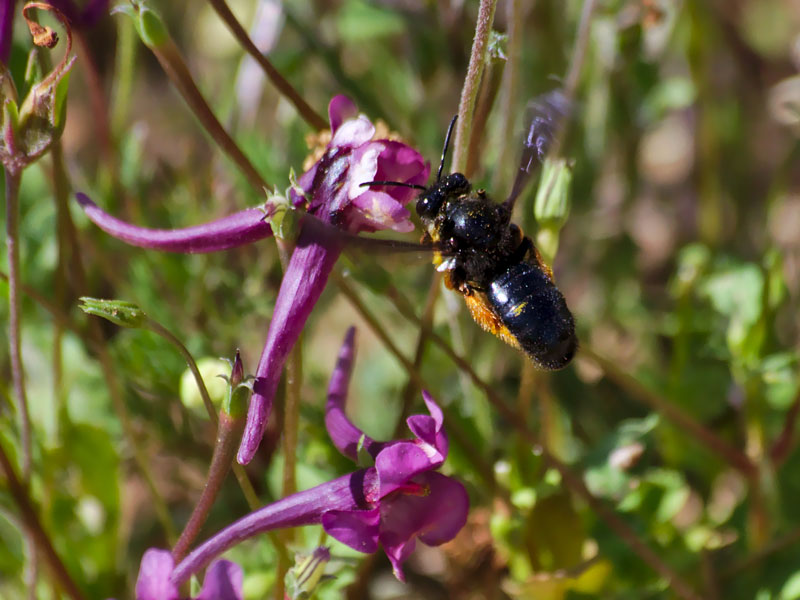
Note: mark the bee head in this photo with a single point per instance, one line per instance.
(430, 202)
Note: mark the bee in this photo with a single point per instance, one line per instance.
(489, 261)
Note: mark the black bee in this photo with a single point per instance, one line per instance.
(487, 258)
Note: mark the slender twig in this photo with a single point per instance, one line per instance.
(368, 102)
(34, 525)
(175, 67)
(781, 543)
(14, 315)
(639, 392)
(229, 432)
(783, 444)
(100, 112)
(469, 92)
(284, 87)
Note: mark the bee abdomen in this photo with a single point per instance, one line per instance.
(535, 313)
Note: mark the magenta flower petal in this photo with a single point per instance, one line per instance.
(355, 528)
(332, 185)
(6, 28)
(344, 435)
(340, 109)
(435, 517)
(398, 463)
(238, 229)
(223, 581)
(430, 429)
(302, 285)
(154, 582)
(354, 492)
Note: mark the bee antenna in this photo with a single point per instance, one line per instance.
(446, 146)
(397, 183)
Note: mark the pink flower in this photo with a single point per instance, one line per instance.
(335, 196)
(399, 500)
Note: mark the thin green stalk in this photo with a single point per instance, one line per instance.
(469, 92)
(12, 179)
(637, 391)
(175, 67)
(124, 63)
(284, 87)
(32, 524)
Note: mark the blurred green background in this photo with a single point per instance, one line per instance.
(680, 260)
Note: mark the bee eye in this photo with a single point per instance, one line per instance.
(428, 204)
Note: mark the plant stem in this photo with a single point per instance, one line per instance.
(284, 87)
(34, 525)
(12, 180)
(229, 431)
(125, 58)
(174, 66)
(469, 92)
(639, 392)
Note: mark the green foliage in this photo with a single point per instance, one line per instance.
(670, 219)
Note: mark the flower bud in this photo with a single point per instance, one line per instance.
(148, 23)
(30, 128)
(308, 571)
(551, 207)
(119, 312)
(240, 388)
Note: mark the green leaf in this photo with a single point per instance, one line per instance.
(359, 21)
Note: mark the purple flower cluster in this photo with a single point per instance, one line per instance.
(333, 193)
(397, 501)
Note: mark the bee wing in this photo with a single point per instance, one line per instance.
(545, 117)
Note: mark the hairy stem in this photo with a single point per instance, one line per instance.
(284, 87)
(469, 92)
(12, 179)
(229, 431)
